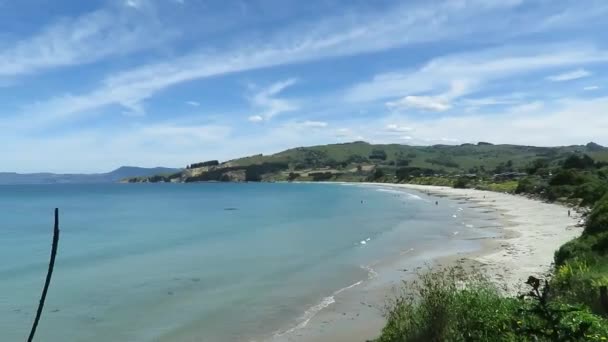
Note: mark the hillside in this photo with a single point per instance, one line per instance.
(108, 177)
(358, 161)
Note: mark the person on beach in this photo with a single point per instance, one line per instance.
(436, 202)
(568, 212)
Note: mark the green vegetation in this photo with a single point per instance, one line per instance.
(461, 306)
(483, 164)
(457, 305)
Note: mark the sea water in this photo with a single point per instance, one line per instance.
(202, 262)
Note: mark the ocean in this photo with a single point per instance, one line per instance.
(206, 261)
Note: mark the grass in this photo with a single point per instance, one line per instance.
(507, 186)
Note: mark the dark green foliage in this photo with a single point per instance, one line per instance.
(377, 175)
(579, 162)
(504, 167)
(598, 220)
(567, 177)
(443, 161)
(407, 172)
(356, 159)
(378, 155)
(437, 308)
(293, 176)
(254, 173)
(591, 191)
(206, 163)
(321, 176)
(402, 162)
(452, 305)
(594, 147)
(545, 319)
(530, 185)
(536, 165)
(461, 183)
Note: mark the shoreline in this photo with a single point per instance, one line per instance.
(530, 232)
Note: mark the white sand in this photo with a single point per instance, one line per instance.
(532, 232)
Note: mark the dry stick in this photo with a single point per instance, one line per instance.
(48, 276)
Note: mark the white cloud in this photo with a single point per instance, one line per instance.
(431, 103)
(463, 74)
(270, 104)
(397, 128)
(570, 75)
(132, 3)
(591, 88)
(439, 103)
(193, 103)
(81, 40)
(332, 37)
(506, 99)
(255, 118)
(528, 107)
(314, 124)
(570, 121)
(343, 132)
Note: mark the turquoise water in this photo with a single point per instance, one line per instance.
(198, 262)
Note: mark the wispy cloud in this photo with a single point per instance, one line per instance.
(469, 71)
(330, 37)
(432, 103)
(569, 76)
(271, 106)
(81, 40)
(193, 103)
(591, 88)
(314, 124)
(398, 128)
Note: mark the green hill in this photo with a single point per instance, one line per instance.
(359, 161)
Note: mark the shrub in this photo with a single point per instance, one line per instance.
(449, 305)
(590, 192)
(566, 177)
(321, 176)
(378, 154)
(598, 220)
(578, 162)
(530, 185)
(206, 163)
(452, 305)
(461, 183)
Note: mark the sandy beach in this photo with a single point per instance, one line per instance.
(529, 234)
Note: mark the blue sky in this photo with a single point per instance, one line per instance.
(87, 86)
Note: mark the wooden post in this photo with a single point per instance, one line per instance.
(48, 276)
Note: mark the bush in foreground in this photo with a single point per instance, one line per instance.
(453, 305)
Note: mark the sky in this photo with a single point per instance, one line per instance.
(88, 86)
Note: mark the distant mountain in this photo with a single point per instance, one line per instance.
(109, 177)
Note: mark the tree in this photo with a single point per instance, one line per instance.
(579, 162)
(461, 183)
(378, 154)
(292, 176)
(536, 165)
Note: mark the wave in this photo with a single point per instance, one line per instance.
(401, 192)
(371, 273)
(311, 312)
